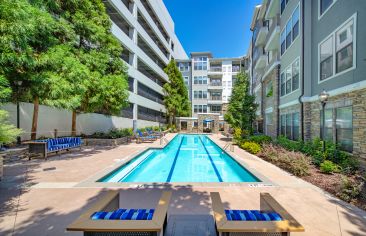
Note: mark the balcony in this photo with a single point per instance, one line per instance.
(215, 100)
(260, 59)
(273, 9)
(261, 35)
(215, 86)
(215, 70)
(273, 37)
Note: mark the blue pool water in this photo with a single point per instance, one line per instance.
(187, 158)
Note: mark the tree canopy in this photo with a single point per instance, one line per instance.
(176, 98)
(64, 54)
(242, 106)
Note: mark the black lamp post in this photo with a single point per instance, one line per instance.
(323, 97)
(18, 84)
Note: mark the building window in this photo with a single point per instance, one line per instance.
(344, 128)
(283, 42)
(283, 84)
(215, 108)
(200, 80)
(290, 78)
(291, 31)
(344, 47)
(200, 94)
(328, 124)
(200, 108)
(283, 5)
(295, 23)
(186, 80)
(325, 5)
(326, 59)
(338, 120)
(295, 126)
(337, 51)
(283, 125)
(290, 125)
(200, 63)
(295, 75)
(183, 66)
(288, 34)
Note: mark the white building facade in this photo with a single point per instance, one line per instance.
(146, 32)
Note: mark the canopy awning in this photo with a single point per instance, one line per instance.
(207, 121)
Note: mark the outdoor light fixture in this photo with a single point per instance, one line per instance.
(323, 97)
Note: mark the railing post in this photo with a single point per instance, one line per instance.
(55, 133)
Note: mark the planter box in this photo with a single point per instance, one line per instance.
(106, 142)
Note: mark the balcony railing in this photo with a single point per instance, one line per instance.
(150, 96)
(215, 84)
(215, 98)
(236, 69)
(143, 116)
(216, 69)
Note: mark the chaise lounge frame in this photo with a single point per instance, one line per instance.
(225, 227)
(110, 202)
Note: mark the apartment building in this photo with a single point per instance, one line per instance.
(299, 49)
(210, 80)
(146, 32)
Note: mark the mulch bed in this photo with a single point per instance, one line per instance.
(332, 183)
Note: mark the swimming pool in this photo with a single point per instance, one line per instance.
(187, 158)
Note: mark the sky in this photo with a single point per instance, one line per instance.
(219, 26)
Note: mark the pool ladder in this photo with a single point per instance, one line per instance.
(229, 146)
(163, 140)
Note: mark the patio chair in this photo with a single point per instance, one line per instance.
(140, 137)
(105, 218)
(154, 133)
(271, 220)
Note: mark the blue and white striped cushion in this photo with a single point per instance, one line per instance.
(252, 215)
(124, 214)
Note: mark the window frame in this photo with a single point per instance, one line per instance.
(298, 6)
(334, 34)
(320, 15)
(285, 78)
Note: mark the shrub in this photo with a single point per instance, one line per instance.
(329, 167)
(8, 132)
(251, 147)
(260, 139)
(294, 162)
(349, 190)
(237, 135)
(289, 144)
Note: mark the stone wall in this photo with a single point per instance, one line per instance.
(356, 99)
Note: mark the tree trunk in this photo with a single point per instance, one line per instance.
(170, 120)
(35, 118)
(73, 124)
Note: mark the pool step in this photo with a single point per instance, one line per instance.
(122, 174)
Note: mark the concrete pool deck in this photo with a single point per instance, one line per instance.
(40, 197)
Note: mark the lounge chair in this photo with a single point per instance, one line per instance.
(105, 218)
(272, 219)
(140, 137)
(154, 133)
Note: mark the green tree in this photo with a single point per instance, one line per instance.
(176, 99)
(8, 132)
(99, 52)
(65, 55)
(29, 35)
(242, 106)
